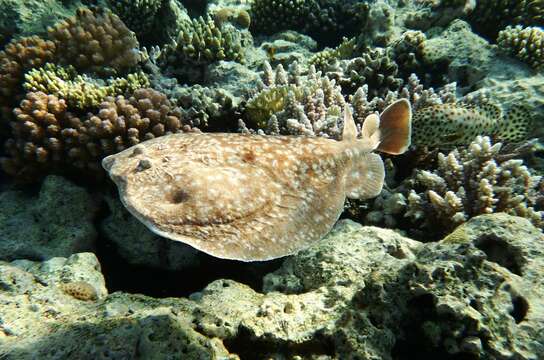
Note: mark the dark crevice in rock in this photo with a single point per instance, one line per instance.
(415, 342)
(249, 348)
(502, 253)
(520, 307)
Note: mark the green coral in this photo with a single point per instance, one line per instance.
(325, 20)
(202, 41)
(525, 43)
(345, 50)
(80, 92)
(138, 15)
(374, 68)
(490, 16)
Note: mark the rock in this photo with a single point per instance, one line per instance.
(360, 292)
(57, 222)
(32, 17)
(137, 245)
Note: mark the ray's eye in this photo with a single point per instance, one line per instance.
(143, 164)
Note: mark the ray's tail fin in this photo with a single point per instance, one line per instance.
(388, 132)
(395, 128)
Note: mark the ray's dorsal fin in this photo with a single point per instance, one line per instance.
(350, 129)
(395, 128)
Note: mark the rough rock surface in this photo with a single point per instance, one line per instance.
(56, 222)
(139, 246)
(362, 292)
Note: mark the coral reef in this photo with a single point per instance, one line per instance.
(80, 92)
(97, 41)
(480, 179)
(525, 43)
(199, 43)
(292, 104)
(18, 57)
(345, 50)
(489, 17)
(138, 15)
(477, 294)
(47, 137)
(154, 22)
(375, 69)
(327, 21)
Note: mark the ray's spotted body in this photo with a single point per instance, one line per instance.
(251, 197)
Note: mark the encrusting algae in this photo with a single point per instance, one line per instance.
(252, 197)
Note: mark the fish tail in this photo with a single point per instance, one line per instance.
(516, 125)
(395, 128)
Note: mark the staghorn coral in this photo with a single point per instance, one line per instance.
(480, 179)
(97, 41)
(525, 43)
(46, 137)
(374, 68)
(201, 42)
(324, 58)
(325, 20)
(18, 57)
(289, 103)
(80, 92)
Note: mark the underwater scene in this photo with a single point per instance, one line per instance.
(272, 179)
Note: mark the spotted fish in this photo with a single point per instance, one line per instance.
(459, 124)
(251, 197)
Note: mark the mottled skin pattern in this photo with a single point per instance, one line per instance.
(459, 124)
(244, 197)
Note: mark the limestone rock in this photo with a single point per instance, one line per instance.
(360, 292)
(56, 222)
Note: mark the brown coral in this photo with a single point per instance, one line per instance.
(18, 57)
(95, 40)
(48, 138)
(40, 126)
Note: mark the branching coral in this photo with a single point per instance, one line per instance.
(97, 41)
(80, 92)
(289, 103)
(205, 107)
(47, 137)
(201, 42)
(480, 179)
(324, 58)
(526, 43)
(374, 69)
(325, 20)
